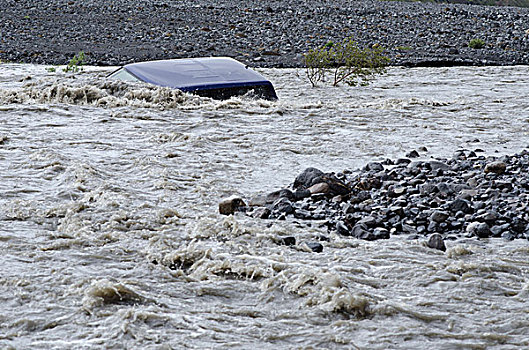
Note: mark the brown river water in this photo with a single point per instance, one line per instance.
(110, 235)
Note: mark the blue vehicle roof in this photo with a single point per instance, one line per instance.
(192, 74)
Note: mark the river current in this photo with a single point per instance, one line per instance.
(111, 238)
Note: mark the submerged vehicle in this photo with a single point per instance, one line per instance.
(215, 77)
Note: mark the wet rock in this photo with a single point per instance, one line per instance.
(479, 229)
(368, 221)
(489, 217)
(360, 197)
(374, 166)
(497, 230)
(286, 193)
(301, 194)
(497, 167)
(261, 213)
(307, 178)
(288, 241)
(336, 186)
(413, 154)
(409, 229)
(230, 205)
(361, 232)
(283, 205)
(401, 161)
(258, 201)
(445, 189)
(518, 225)
(274, 196)
(315, 247)
(436, 241)
(437, 165)
(342, 229)
(381, 233)
(303, 214)
(321, 187)
(461, 205)
(439, 216)
(337, 199)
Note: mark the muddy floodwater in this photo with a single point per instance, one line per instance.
(110, 235)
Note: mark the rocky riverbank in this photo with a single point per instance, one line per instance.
(469, 195)
(267, 34)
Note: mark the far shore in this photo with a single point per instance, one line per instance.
(271, 34)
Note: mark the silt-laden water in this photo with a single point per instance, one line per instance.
(111, 238)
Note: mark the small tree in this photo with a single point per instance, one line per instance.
(345, 62)
(76, 63)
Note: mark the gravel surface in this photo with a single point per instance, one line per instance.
(266, 34)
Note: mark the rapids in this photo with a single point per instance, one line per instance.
(111, 238)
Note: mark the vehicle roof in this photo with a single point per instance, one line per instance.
(189, 74)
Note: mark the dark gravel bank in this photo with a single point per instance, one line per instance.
(267, 34)
(468, 195)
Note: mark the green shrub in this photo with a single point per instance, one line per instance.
(476, 44)
(344, 62)
(76, 63)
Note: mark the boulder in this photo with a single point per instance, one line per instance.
(439, 216)
(462, 205)
(342, 229)
(307, 178)
(321, 187)
(315, 247)
(261, 213)
(479, 229)
(283, 205)
(230, 205)
(496, 167)
(361, 231)
(436, 241)
(437, 165)
(288, 241)
(374, 166)
(412, 154)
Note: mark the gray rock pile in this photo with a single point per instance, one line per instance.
(466, 196)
